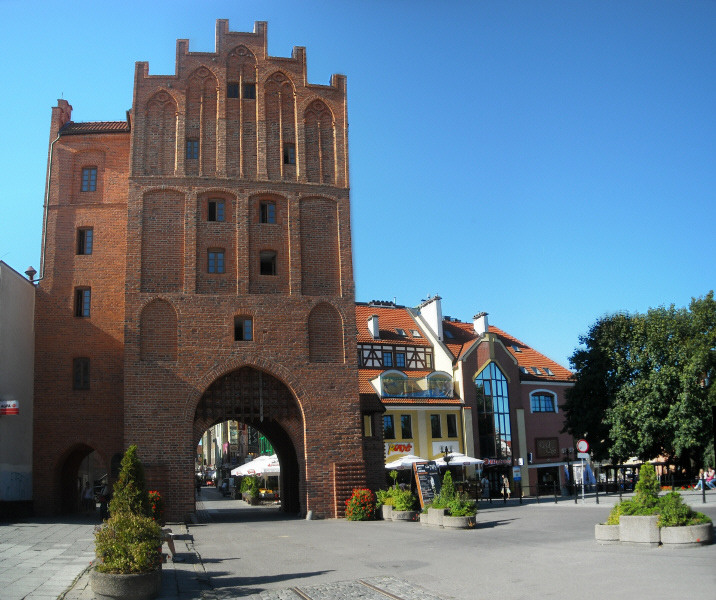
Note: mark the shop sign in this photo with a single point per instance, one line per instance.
(495, 462)
(401, 448)
(516, 474)
(9, 407)
(427, 480)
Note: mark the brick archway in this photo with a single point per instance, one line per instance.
(259, 399)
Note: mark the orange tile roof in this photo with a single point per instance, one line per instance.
(464, 337)
(72, 128)
(390, 318)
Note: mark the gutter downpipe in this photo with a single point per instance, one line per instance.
(46, 209)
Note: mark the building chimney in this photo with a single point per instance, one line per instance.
(431, 311)
(373, 326)
(480, 324)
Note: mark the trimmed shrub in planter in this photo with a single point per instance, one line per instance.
(688, 535)
(461, 522)
(136, 586)
(404, 506)
(435, 516)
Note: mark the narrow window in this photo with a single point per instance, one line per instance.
(400, 360)
(243, 329)
(452, 426)
(367, 426)
(215, 261)
(249, 91)
(89, 179)
(428, 360)
(267, 262)
(192, 149)
(387, 359)
(232, 90)
(388, 427)
(268, 212)
(289, 153)
(215, 210)
(82, 302)
(80, 373)
(436, 430)
(84, 240)
(406, 427)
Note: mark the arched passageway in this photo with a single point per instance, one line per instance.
(259, 399)
(81, 465)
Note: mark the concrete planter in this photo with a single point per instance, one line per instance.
(424, 518)
(639, 530)
(458, 522)
(138, 586)
(386, 512)
(686, 537)
(435, 516)
(606, 534)
(405, 515)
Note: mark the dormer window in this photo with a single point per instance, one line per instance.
(400, 332)
(548, 371)
(536, 371)
(415, 333)
(516, 348)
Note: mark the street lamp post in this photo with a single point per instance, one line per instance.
(567, 453)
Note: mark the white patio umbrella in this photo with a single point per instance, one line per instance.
(262, 465)
(458, 459)
(405, 462)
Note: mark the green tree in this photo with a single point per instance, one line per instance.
(130, 495)
(644, 383)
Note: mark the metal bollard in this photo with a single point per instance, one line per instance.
(555, 493)
(703, 490)
(596, 492)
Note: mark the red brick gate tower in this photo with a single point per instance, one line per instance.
(238, 299)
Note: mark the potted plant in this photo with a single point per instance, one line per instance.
(384, 502)
(361, 505)
(680, 525)
(404, 503)
(461, 513)
(250, 490)
(128, 544)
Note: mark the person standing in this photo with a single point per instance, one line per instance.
(505, 488)
(88, 499)
(485, 487)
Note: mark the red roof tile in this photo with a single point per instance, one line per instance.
(464, 336)
(72, 128)
(390, 318)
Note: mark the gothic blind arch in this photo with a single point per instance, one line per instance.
(325, 334)
(158, 331)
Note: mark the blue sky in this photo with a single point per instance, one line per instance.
(545, 162)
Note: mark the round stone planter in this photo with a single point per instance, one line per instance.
(137, 586)
(458, 522)
(435, 516)
(639, 530)
(405, 515)
(606, 534)
(386, 512)
(686, 537)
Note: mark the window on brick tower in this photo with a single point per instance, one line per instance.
(289, 153)
(192, 149)
(82, 302)
(249, 91)
(84, 240)
(268, 212)
(267, 262)
(243, 329)
(215, 261)
(80, 373)
(89, 179)
(215, 210)
(232, 90)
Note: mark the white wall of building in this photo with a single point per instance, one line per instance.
(17, 358)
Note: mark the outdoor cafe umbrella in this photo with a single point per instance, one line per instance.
(405, 462)
(458, 459)
(262, 465)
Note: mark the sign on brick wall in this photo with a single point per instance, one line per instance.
(9, 407)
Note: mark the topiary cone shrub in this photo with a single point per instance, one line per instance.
(130, 540)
